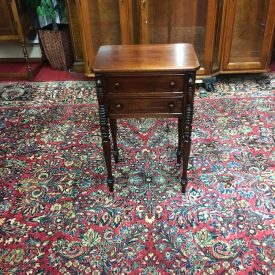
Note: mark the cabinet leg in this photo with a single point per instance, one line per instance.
(113, 126)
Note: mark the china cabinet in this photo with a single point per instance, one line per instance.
(100, 23)
(7, 27)
(13, 28)
(248, 35)
(76, 37)
(229, 36)
(185, 21)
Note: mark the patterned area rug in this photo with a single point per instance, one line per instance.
(58, 217)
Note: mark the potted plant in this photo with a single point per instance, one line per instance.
(55, 37)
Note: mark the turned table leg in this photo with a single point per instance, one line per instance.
(187, 129)
(106, 144)
(180, 133)
(113, 126)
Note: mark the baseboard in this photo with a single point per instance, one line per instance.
(19, 60)
(79, 67)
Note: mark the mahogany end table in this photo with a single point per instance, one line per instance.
(156, 80)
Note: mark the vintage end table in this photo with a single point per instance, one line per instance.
(156, 80)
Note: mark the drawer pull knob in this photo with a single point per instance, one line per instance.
(172, 84)
(117, 85)
(171, 105)
(118, 106)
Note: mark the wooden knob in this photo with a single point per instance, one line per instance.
(117, 85)
(171, 105)
(172, 84)
(118, 106)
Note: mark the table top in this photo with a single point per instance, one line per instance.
(146, 58)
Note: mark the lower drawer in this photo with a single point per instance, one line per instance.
(126, 106)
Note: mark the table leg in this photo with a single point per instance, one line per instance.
(180, 133)
(106, 147)
(113, 125)
(104, 128)
(187, 129)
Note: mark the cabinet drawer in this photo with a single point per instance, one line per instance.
(136, 84)
(172, 105)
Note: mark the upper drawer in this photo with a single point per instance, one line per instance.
(139, 84)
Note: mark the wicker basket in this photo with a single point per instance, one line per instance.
(57, 46)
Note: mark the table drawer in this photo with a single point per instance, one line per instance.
(172, 105)
(135, 84)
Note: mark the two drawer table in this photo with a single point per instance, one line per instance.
(134, 81)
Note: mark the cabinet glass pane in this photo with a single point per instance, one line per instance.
(136, 21)
(216, 53)
(174, 21)
(105, 22)
(248, 30)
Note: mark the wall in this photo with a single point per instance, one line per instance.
(12, 49)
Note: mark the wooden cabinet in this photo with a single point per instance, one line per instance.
(76, 37)
(228, 35)
(12, 28)
(7, 26)
(185, 21)
(248, 35)
(102, 22)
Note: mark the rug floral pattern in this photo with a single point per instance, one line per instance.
(58, 217)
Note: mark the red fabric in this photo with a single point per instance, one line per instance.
(46, 73)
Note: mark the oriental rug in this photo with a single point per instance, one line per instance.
(58, 217)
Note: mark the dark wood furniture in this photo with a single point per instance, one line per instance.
(248, 36)
(13, 29)
(229, 36)
(146, 81)
(76, 37)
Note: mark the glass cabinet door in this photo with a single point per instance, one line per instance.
(105, 22)
(216, 58)
(248, 23)
(100, 25)
(180, 21)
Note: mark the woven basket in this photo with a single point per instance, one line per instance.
(57, 46)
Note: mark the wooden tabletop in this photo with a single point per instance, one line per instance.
(146, 58)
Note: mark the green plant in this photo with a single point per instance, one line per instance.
(49, 10)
